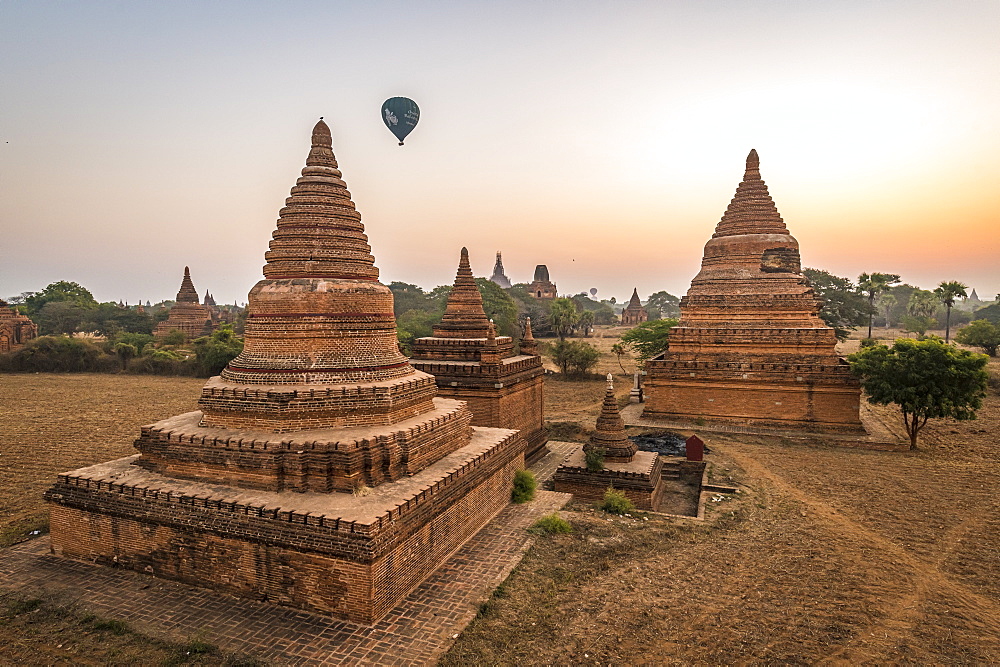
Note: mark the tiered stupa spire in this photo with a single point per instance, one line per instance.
(464, 316)
(320, 318)
(610, 432)
(528, 343)
(187, 293)
(752, 211)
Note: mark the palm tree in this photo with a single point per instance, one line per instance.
(887, 302)
(947, 292)
(874, 284)
(563, 316)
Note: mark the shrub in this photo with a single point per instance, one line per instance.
(575, 357)
(174, 337)
(215, 351)
(524, 486)
(982, 334)
(869, 342)
(60, 354)
(551, 524)
(594, 458)
(162, 362)
(615, 502)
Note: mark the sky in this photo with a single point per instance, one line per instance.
(603, 139)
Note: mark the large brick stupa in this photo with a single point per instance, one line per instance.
(322, 471)
(750, 347)
(471, 363)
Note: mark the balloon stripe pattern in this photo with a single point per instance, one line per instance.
(400, 115)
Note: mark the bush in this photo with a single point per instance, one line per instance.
(594, 458)
(982, 334)
(869, 342)
(60, 354)
(213, 352)
(524, 486)
(575, 357)
(615, 502)
(174, 337)
(551, 524)
(162, 362)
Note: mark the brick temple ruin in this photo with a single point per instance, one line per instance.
(634, 313)
(750, 347)
(15, 329)
(187, 315)
(637, 473)
(541, 287)
(322, 470)
(471, 363)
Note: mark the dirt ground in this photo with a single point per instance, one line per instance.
(826, 555)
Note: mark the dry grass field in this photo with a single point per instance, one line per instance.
(827, 555)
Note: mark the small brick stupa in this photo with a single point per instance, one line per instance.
(634, 313)
(471, 363)
(321, 470)
(187, 315)
(638, 474)
(15, 329)
(750, 347)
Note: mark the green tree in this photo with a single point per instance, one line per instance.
(574, 357)
(214, 351)
(499, 307)
(586, 322)
(874, 284)
(62, 290)
(415, 324)
(125, 351)
(649, 339)
(990, 313)
(562, 317)
(60, 317)
(618, 349)
(887, 303)
(926, 379)
(843, 307)
(662, 304)
(982, 334)
(918, 324)
(947, 292)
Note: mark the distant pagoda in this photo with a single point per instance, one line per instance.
(750, 347)
(321, 471)
(499, 277)
(541, 287)
(634, 313)
(471, 363)
(187, 314)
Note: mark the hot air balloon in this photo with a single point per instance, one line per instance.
(593, 291)
(400, 115)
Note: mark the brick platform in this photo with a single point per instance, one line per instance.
(415, 632)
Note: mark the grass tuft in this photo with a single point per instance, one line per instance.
(524, 486)
(552, 524)
(615, 502)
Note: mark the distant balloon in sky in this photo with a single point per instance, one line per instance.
(400, 115)
(593, 291)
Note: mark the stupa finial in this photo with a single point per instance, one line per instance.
(753, 162)
(611, 382)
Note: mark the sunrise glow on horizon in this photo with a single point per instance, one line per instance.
(604, 140)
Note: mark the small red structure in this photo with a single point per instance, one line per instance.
(694, 448)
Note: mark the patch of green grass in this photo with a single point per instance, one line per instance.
(551, 524)
(112, 625)
(615, 502)
(23, 530)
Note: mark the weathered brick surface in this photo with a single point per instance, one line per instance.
(750, 346)
(15, 329)
(321, 472)
(470, 363)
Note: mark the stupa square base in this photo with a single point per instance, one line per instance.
(349, 556)
(791, 405)
(641, 479)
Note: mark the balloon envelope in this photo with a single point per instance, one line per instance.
(400, 115)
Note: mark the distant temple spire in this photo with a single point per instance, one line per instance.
(499, 277)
